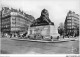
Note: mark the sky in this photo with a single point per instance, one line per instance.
(57, 9)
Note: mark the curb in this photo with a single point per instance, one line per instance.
(41, 40)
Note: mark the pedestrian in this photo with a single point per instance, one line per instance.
(63, 36)
(10, 35)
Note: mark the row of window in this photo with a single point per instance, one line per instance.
(20, 25)
(6, 30)
(19, 20)
(70, 27)
(6, 22)
(71, 24)
(5, 26)
(72, 21)
(72, 17)
(75, 15)
(17, 14)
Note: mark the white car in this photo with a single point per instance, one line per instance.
(55, 36)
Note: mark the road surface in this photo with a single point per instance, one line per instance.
(9, 46)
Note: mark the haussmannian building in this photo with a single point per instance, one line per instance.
(72, 23)
(14, 21)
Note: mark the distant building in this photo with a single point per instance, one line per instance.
(72, 23)
(42, 27)
(15, 21)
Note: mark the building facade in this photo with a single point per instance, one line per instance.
(14, 21)
(72, 23)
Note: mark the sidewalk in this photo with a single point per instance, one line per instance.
(59, 40)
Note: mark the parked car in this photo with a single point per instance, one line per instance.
(55, 36)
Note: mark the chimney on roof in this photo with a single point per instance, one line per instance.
(70, 11)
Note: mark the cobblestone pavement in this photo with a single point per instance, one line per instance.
(9, 46)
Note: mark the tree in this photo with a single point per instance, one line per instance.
(77, 31)
(61, 29)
